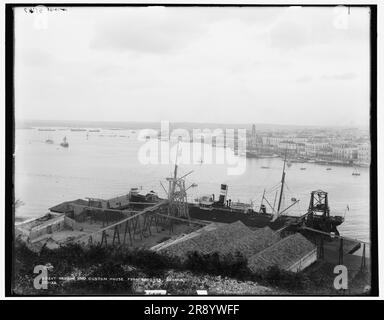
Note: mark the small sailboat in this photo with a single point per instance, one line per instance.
(356, 172)
(64, 144)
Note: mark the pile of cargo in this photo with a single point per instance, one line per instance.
(292, 253)
(262, 247)
(222, 239)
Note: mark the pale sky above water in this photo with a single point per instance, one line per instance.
(282, 65)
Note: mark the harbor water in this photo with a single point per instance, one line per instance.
(105, 164)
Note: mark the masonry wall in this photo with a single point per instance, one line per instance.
(55, 225)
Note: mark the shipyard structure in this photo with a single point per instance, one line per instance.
(174, 227)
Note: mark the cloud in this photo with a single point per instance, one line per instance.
(304, 79)
(288, 35)
(149, 63)
(163, 29)
(340, 76)
(146, 30)
(107, 70)
(33, 57)
(296, 28)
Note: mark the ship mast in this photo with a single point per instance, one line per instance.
(282, 185)
(281, 189)
(172, 182)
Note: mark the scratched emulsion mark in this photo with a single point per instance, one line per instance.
(341, 17)
(41, 15)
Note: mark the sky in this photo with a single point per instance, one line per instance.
(278, 65)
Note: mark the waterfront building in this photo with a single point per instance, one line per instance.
(364, 154)
(345, 152)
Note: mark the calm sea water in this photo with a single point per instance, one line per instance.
(106, 164)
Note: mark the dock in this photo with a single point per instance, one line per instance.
(341, 250)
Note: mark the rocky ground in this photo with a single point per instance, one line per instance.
(73, 270)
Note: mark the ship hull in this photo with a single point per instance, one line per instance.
(224, 215)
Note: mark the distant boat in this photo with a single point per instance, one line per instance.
(46, 129)
(64, 144)
(355, 172)
(78, 129)
(264, 167)
(49, 141)
(252, 154)
(329, 168)
(303, 168)
(94, 130)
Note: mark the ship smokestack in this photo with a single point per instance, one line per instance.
(223, 193)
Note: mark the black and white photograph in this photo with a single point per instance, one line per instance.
(192, 150)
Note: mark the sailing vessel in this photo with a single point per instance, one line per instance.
(356, 172)
(64, 144)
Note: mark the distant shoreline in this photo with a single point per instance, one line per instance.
(29, 124)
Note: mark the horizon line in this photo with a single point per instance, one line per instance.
(195, 122)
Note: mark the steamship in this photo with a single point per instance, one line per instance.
(226, 211)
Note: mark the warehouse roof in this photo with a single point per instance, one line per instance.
(65, 207)
(282, 254)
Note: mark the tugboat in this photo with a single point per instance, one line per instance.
(138, 199)
(135, 196)
(64, 144)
